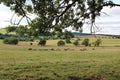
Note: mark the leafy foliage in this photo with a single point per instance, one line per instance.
(85, 42)
(42, 42)
(61, 43)
(68, 41)
(63, 35)
(68, 35)
(10, 41)
(59, 34)
(21, 30)
(10, 29)
(58, 14)
(76, 43)
(97, 42)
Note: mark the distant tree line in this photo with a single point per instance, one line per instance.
(116, 37)
(23, 30)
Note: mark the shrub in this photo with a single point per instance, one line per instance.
(76, 42)
(22, 39)
(10, 41)
(31, 39)
(68, 41)
(97, 42)
(85, 42)
(42, 42)
(61, 43)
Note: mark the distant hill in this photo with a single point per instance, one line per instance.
(91, 35)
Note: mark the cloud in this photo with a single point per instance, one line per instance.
(109, 23)
(6, 15)
(113, 12)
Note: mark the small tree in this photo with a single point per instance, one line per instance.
(61, 43)
(76, 42)
(68, 35)
(85, 42)
(97, 42)
(42, 42)
(58, 34)
(68, 41)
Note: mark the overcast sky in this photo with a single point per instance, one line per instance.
(108, 24)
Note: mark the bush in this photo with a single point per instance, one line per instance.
(61, 43)
(97, 42)
(31, 39)
(68, 41)
(42, 42)
(85, 42)
(10, 41)
(76, 42)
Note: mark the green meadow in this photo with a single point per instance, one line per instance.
(43, 63)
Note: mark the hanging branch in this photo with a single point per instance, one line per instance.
(110, 3)
(92, 16)
(22, 13)
(28, 19)
(67, 7)
(20, 20)
(12, 18)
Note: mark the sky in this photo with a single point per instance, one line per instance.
(108, 23)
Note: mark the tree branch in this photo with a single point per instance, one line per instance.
(67, 7)
(110, 3)
(22, 13)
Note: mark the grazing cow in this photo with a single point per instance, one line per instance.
(83, 49)
(58, 49)
(66, 49)
(52, 49)
(93, 48)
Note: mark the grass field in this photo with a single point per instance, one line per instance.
(19, 63)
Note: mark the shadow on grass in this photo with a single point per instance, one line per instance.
(78, 78)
